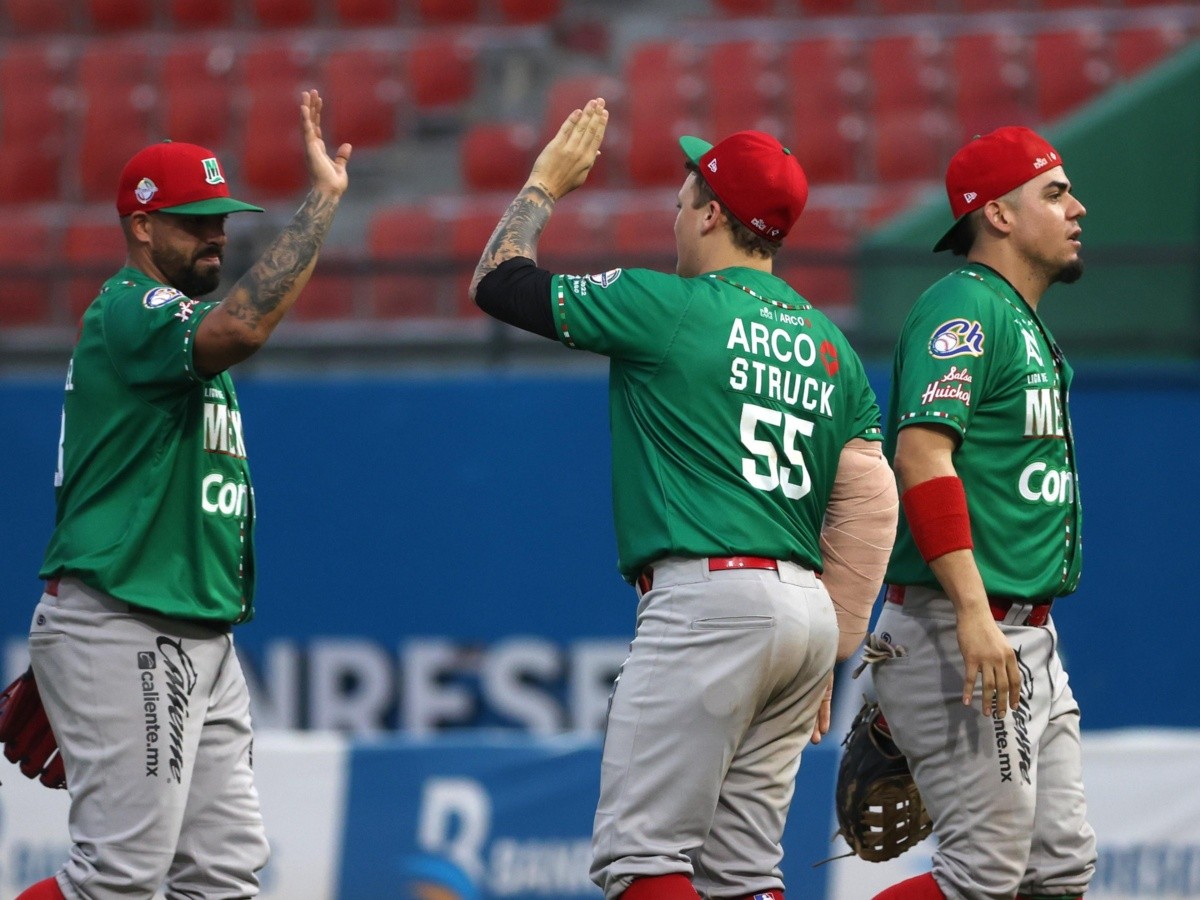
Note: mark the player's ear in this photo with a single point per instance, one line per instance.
(138, 226)
(998, 215)
(713, 217)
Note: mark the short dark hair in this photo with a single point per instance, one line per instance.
(962, 235)
(743, 238)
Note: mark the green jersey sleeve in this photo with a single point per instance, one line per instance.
(948, 349)
(627, 314)
(149, 331)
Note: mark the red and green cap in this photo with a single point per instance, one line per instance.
(176, 177)
(758, 180)
(990, 166)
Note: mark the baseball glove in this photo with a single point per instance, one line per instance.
(879, 810)
(26, 734)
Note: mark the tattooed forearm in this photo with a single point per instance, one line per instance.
(518, 231)
(269, 281)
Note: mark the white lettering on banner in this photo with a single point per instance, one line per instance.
(220, 496)
(541, 867)
(455, 818)
(433, 684)
(1039, 482)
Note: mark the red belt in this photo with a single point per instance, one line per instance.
(645, 581)
(52, 587)
(1039, 614)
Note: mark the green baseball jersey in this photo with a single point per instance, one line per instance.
(730, 399)
(975, 358)
(154, 501)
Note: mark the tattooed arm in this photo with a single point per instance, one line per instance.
(560, 168)
(242, 322)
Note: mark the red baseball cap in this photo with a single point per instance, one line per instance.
(176, 178)
(992, 165)
(757, 178)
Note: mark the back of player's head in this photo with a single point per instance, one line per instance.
(755, 177)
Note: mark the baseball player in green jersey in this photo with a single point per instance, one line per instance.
(746, 463)
(980, 437)
(152, 557)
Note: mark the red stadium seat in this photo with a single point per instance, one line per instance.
(663, 91)
(814, 260)
(1069, 69)
(643, 233)
(906, 72)
(910, 145)
(197, 92)
(119, 15)
(991, 80)
(25, 297)
(825, 127)
(529, 12)
(38, 16)
(365, 95)
(442, 12)
(30, 173)
(34, 98)
(94, 248)
(331, 292)
(743, 85)
(203, 13)
(284, 13)
(907, 6)
(115, 81)
(365, 12)
(408, 235)
(1138, 48)
(498, 155)
(440, 71)
(274, 74)
(578, 238)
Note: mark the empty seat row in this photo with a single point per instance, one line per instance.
(78, 116)
(911, 7)
(42, 17)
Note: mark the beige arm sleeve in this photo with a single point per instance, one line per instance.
(857, 537)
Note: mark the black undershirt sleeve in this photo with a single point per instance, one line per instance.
(518, 292)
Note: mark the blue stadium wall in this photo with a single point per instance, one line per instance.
(439, 553)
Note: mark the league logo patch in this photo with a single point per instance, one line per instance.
(158, 297)
(145, 190)
(958, 337)
(604, 279)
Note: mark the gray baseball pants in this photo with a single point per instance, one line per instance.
(710, 712)
(152, 715)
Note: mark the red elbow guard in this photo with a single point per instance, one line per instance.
(937, 516)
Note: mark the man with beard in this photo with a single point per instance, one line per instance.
(152, 557)
(981, 442)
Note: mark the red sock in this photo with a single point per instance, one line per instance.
(661, 887)
(923, 887)
(43, 890)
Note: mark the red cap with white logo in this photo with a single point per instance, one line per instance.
(757, 178)
(176, 178)
(992, 165)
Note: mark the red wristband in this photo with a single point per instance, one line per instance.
(937, 516)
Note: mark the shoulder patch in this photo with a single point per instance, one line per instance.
(604, 279)
(958, 337)
(159, 297)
